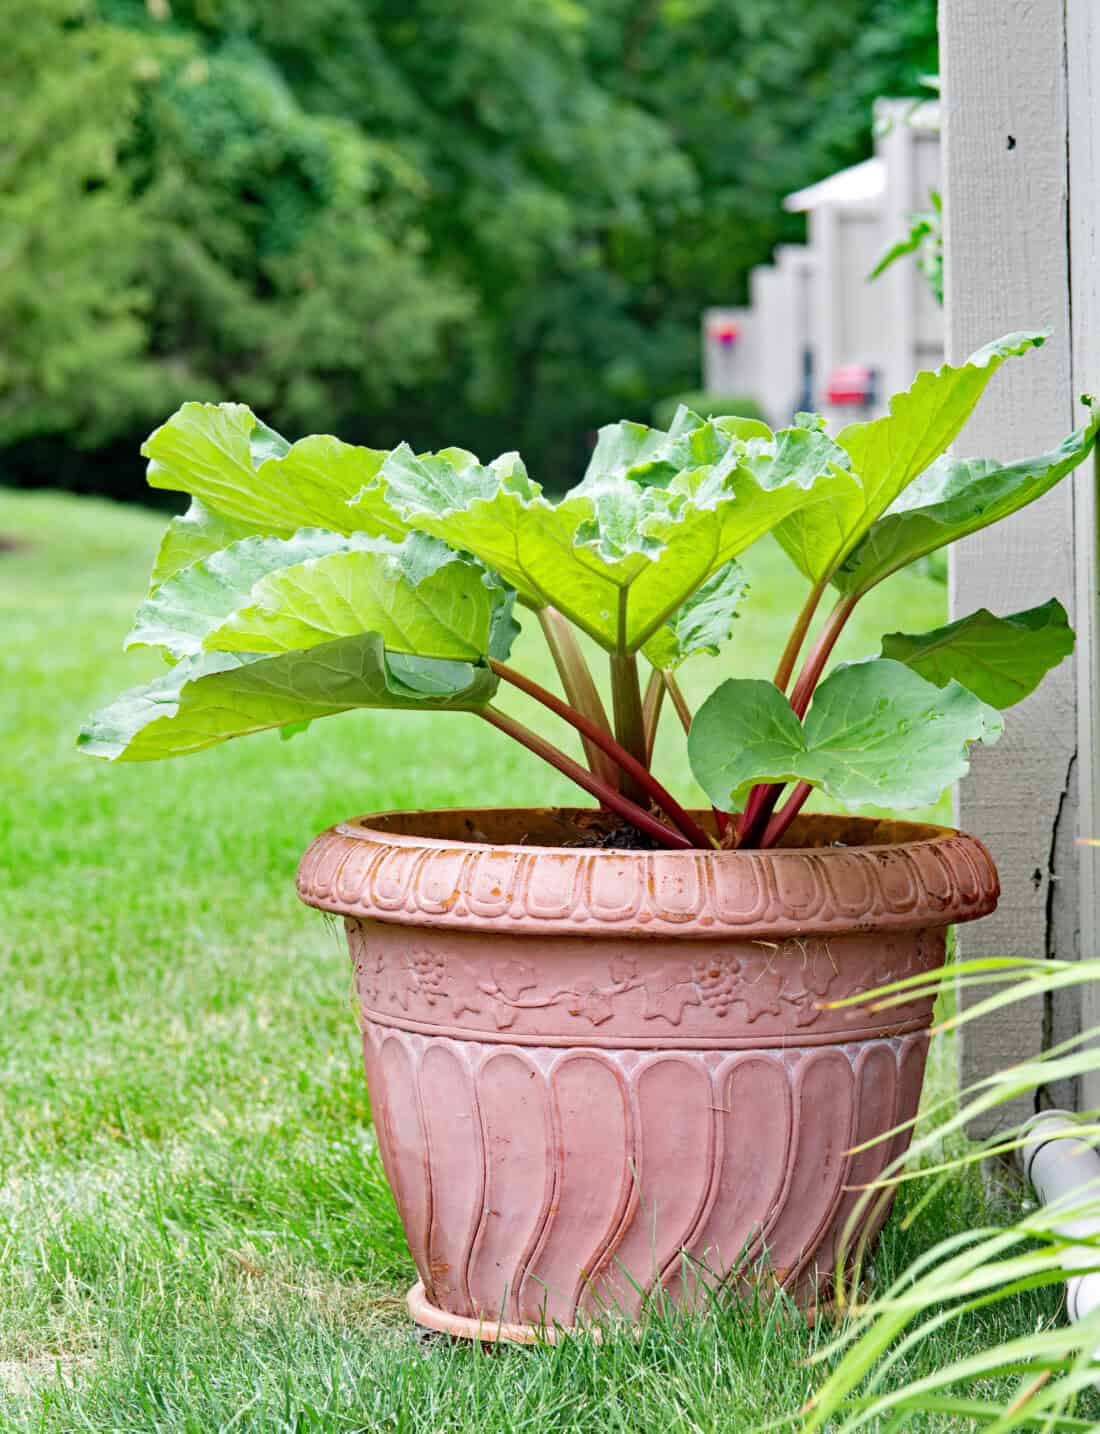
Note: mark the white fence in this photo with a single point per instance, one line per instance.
(816, 324)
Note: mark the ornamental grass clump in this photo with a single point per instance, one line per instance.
(315, 577)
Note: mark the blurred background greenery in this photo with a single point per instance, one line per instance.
(493, 223)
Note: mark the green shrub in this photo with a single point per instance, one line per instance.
(491, 223)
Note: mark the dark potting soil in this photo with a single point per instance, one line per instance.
(622, 837)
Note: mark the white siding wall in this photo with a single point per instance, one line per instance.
(798, 268)
(817, 296)
(846, 241)
(773, 349)
(729, 369)
(912, 336)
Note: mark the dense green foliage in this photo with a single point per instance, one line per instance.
(494, 222)
(313, 577)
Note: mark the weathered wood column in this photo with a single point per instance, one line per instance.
(1021, 166)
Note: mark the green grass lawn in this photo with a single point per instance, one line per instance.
(195, 1231)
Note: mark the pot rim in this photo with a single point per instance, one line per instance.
(933, 876)
(375, 824)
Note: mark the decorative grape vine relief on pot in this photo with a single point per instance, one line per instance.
(793, 976)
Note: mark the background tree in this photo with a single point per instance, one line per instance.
(73, 335)
(497, 221)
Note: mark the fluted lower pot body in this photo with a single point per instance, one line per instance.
(595, 1074)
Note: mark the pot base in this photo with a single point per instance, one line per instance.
(429, 1316)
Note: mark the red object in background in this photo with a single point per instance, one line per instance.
(726, 334)
(851, 383)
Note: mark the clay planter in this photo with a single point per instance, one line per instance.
(585, 1065)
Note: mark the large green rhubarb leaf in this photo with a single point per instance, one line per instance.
(955, 497)
(885, 455)
(649, 456)
(654, 457)
(618, 554)
(224, 456)
(210, 698)
(180, 612)
(420, 597)
(999, 659)
(192, 536)
(877, 734)
(704, 622)
(271, 595)
(203, 530)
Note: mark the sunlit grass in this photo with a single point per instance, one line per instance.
(194, 1227)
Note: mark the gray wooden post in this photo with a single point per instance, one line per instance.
(1083, 93)
(1018, 130)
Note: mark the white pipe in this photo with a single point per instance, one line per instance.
(1065, 1169)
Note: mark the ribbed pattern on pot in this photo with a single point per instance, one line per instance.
(540, 1185)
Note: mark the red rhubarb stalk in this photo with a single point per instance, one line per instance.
(595, 786)
(579, 686)
(633, 768)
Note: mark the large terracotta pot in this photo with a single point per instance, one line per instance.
(599, 1072)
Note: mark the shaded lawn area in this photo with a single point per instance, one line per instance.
(195, 1228)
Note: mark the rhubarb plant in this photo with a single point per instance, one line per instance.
(316, 577)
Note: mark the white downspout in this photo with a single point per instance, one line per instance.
(1061, 1168)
